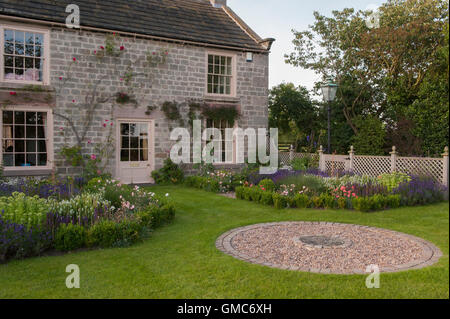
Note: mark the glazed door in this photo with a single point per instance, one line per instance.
(135, 145)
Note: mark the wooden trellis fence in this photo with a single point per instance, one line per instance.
(436, 168)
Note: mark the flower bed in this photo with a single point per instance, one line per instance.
(308, 189)
(217, 182)
(104, 213)
(312, 188)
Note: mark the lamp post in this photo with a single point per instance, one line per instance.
(329, 93)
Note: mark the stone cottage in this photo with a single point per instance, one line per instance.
(110, 79)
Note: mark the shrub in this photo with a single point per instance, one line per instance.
(267, 185)
(18, 241)
(266, 198)
(171, 173)
(255, 194)
(342, 203)
(392, 181)
(301, 201)
(107, 233)
(393, 201)
(103, 234)
(328, 201)
(129, 232)
(299, 164)
(279, 201)
(420, 191)
(24, 210)
(70, 237)
(240, 192)
(361, 204)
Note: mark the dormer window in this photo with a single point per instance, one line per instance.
(23, 55)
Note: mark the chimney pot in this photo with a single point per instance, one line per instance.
(218, 3)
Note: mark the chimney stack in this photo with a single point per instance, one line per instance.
(218, 3)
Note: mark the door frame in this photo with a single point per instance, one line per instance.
(151, 148)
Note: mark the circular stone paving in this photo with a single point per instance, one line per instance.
(323, 247)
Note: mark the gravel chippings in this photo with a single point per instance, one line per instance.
(279, 245)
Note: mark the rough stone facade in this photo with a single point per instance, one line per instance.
(181, 78)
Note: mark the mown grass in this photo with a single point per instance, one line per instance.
(180, 260)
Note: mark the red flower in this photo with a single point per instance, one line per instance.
(60, 78)
(74, 59)
(122, 48)
(12, 93)
(95, 51)
(104, 125)
(102, 47)
(73, 101)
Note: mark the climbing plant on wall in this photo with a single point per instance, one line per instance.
(116, 67)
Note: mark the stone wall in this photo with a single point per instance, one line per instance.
(183, 77)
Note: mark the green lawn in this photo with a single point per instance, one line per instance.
(180, 260)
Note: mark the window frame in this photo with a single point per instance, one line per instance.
(48, 138)
(223, 141)
(233, 85)
(45, 57)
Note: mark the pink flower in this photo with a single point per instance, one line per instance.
(61, 128)
(112, 123)
(154, 53)
(102, 47)
(121, 79)
(89, 141)
(99, 172)
(354, 195)
(93, 157)
(74, 59)
(95, 51)
(60, 78)
(104, 124)
(73, 101)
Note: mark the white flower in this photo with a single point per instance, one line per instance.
(167, 195)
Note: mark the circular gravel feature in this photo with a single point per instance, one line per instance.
(329, 248)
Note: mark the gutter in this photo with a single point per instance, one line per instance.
(134, 35)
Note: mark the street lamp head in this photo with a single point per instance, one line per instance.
(329, 91)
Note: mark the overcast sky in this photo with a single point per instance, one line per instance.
(276, 19)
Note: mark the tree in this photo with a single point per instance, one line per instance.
(381, 71)
(291, 108)
(371, 137)
(430, 111)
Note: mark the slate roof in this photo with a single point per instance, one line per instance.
(191, 20)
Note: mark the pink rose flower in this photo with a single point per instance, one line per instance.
(93, 157)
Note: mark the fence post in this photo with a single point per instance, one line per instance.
(322, 167)
(352, 157)
(393, 159)
(445, 167)
(291, 154)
